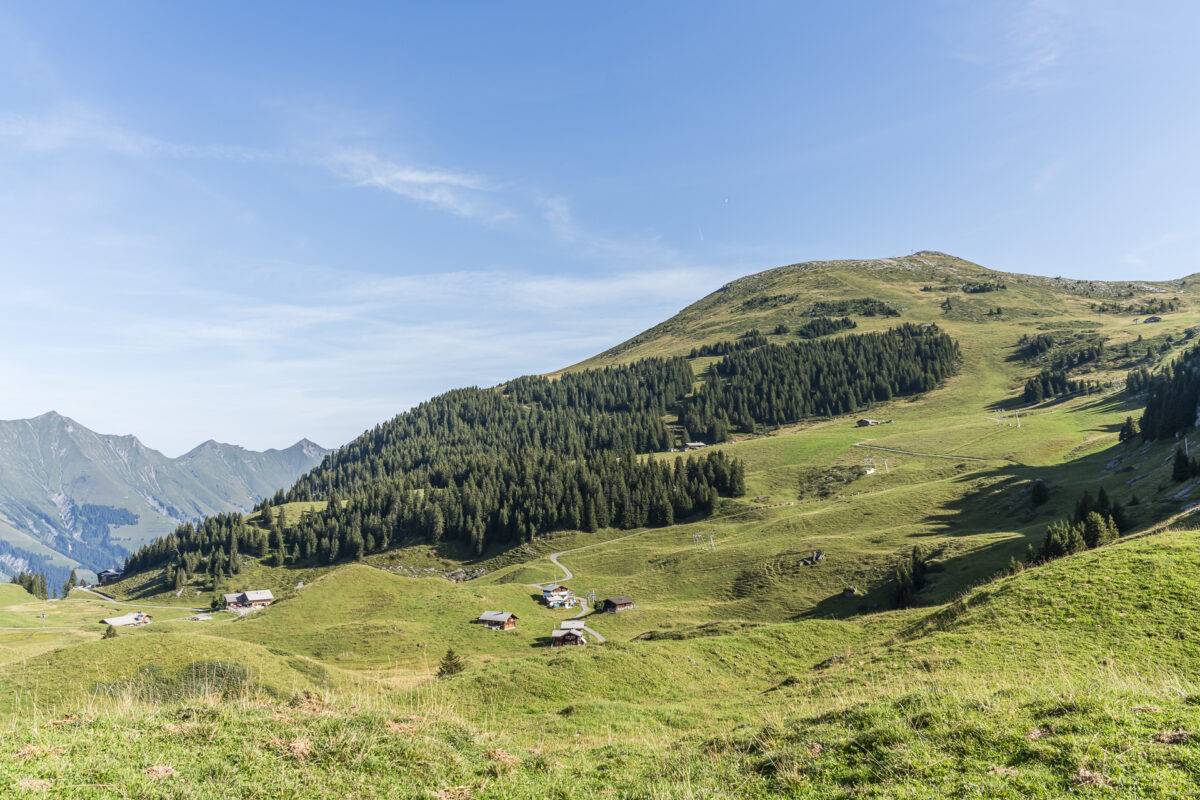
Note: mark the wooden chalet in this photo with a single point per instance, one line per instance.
(615, 604)
(567, 638)
(109, 576)
(498, 620)
(252, 600)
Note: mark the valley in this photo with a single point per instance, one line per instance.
(72, 498)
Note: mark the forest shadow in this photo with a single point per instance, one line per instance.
(1002, 506)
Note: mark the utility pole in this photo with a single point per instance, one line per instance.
(711, 545)
(43, 616)
(886, 471)
(1017, 413)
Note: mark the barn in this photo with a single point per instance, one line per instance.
(615, 604)
(561, 638)
(498, 620)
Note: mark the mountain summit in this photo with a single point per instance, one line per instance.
(72, 497)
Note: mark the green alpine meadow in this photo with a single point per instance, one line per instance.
(717, 401)
(864, 559)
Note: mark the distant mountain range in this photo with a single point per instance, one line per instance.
(72, 497)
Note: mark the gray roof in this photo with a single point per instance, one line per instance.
(497, 616)
(558, 634)
(571, 624)
(555, 589)
(232, 598)
(258, 595)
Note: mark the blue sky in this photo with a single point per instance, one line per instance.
(256, 222)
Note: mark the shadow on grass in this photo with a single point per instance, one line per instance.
(995, 508)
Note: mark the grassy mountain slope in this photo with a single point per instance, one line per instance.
(742, 672)
(1001, 695)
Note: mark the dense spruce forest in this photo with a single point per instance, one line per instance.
(491, 468)
(787, 383)
(1173, 396)
(1055, 383)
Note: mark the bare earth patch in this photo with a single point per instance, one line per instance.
(298, 749)
(502, 756)
(400, 727)
(37, 751)
(1172, 737)
(70, 719)
(1038, 733)
(160, 772)
(995, 770)
(1085, 777)
(453, 793)
(35, 784)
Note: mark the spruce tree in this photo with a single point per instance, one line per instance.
(1181, 469)
(109, 633)
(452, 664)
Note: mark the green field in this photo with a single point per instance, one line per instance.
(741, 672)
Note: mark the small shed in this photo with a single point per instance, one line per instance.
(109, 576)
(562, 638)
(693, 446)
(498, 620)
(127, 620)
(615, 604)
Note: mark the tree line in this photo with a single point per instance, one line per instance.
(1152, 306)
(1056, 383)
(482, 468)
(779, 384)
(1172, 396)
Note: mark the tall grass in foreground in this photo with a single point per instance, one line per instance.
(915, 735)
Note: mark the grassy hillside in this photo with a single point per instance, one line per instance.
(742, 672)
(999, 695)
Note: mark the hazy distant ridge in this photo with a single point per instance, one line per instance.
(68, 491)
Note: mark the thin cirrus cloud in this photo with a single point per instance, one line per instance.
(340, 348)
(347, 351)
(458, 193)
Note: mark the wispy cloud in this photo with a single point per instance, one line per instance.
(627, 250)
(327, 359)
(1026, 44)
(77, 127)
(1142, 256)
(1038, 38)
(1047, 177)
(457, 192)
